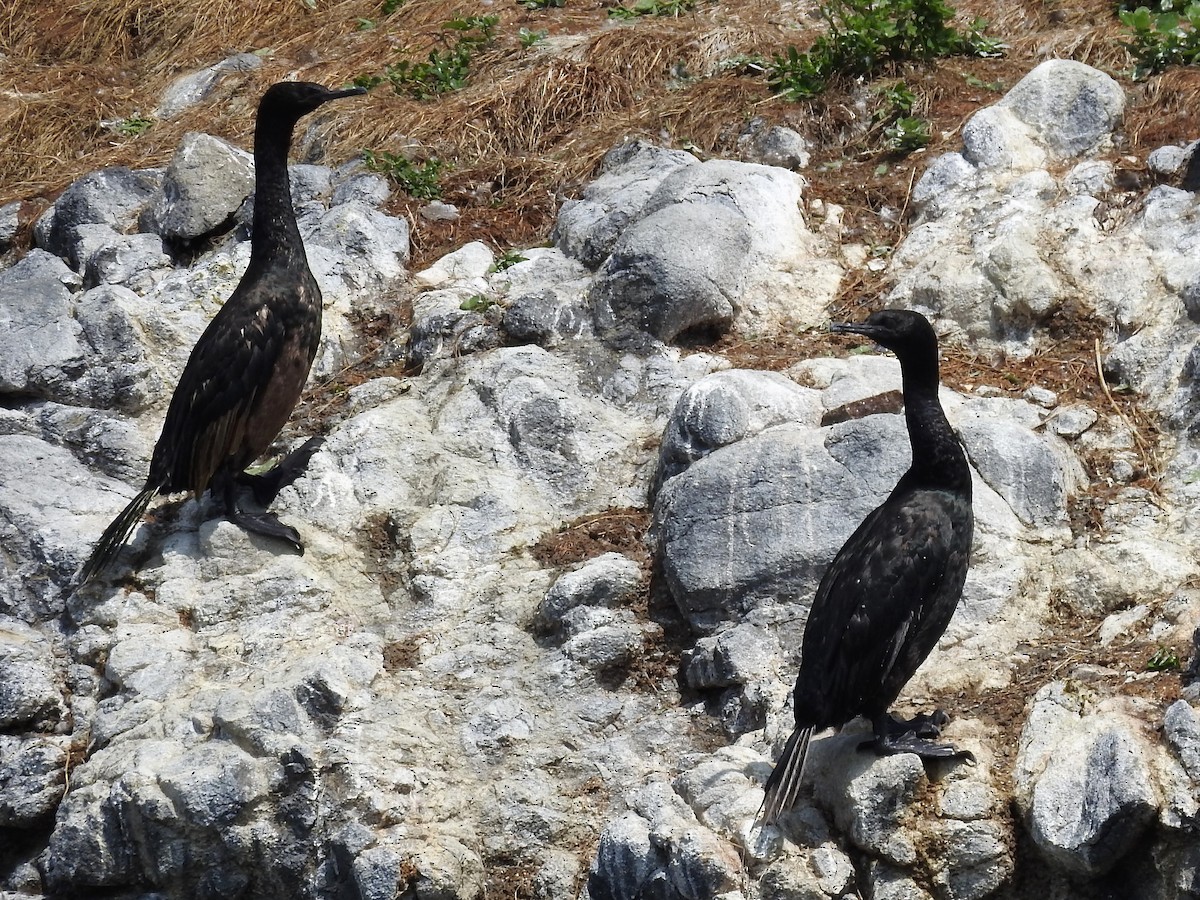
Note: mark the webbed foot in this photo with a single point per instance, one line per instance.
(916, 735)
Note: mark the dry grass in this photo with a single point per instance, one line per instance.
(532, 124)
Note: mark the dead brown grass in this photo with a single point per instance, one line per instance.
(533, 123)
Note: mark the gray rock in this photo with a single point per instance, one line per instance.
(212, 784)
(1021, 467)
(41, 354)
(725, 407)
(610, 580)
(363, 187)
(1168, 161)
(1083, 782)
(545, 317)
(627, 864)
(793, 483)
(134, 261)
(113, 197)
(773, 145)
(1070, 106)
(29, 695)
(588, 229)
(1182, 729)
(736, 655)
(10, 217)
(188, 90)
(438, 211)
(679, 269)
(206, 183)
(32, 775)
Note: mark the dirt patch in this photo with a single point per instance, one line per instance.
(617, 530)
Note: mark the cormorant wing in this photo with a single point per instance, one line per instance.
(218, 391)
(876, 614)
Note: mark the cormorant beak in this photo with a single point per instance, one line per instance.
(346, 92)
(852, 328)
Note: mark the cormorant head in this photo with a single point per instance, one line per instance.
(904, 332)
(293, 99)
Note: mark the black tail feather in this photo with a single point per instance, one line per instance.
(783, 787)
(115, 534)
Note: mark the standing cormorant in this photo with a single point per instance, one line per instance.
(888, 595)
(246, 372)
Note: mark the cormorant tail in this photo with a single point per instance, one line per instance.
(783, 787)
(115, 534)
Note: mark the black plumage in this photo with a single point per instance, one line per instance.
(890, 592)
(246, 372)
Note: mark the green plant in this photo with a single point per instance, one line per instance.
(1162, 39)
(477, 303)
(898, 100)
(443, 70)
(672, 8)
(975, 82)
(132, 126)
(528, 38)
(390, 6)
(1164, 659)
(864, 35)
(906, 134)
(507, 260)
(418, 180)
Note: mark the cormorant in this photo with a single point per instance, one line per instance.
(890, 592)
(246, 372)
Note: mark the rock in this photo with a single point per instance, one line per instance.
(134, 261)
(362, 187)
(1083, 783)
(587, 229)
(10, 219)
(32, 775)
(1182, 729)
(188, 90)
(773, 146)
(544, 318)
(793, 483)
(437, 211)
(40, 349)
(725, 407)
(206, 183)
(113, 197)
(1021, 467)
(679, 269)
(609, 580)
(1071, 107)
(627, 864)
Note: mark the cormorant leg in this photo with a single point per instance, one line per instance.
(268, 484)
(264, 523)
(913, 735)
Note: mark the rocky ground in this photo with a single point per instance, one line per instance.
(567, 519)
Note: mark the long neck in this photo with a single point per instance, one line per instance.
(274, 236)
(937, 456)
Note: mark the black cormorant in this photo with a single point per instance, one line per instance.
(246, 372)
(888, 595)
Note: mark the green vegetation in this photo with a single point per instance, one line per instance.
(477, 303)
(444, 70)
(673, 8)
(1164, 660)
(507, 260)
(418, 180)
(1162, 39)
(864, 35)
(390, 6)
(132, 126)
(529, 38)
(906, 134)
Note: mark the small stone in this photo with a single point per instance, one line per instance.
(437, 211)
(1043, 397)
(1072, 421)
